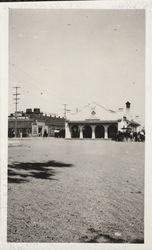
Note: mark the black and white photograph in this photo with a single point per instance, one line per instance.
(76, 127)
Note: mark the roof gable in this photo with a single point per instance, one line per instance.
(94, 111)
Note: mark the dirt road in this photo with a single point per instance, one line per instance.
(75, 191)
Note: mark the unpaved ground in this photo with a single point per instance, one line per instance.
(75, 191)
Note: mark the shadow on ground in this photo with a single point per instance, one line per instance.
(98, 237)
(21, 172)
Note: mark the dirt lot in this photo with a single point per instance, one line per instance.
(75, 191)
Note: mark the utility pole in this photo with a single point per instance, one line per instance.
(16, 103)
(65, 110)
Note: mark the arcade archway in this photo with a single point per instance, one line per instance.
(87, 132)
(75, 132)
(112, 131)
(99, 131)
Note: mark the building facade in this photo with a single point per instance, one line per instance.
(34, 123)
(97, 122)
(91, 128)
(93, 121)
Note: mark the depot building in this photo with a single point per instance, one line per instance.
(97, 122)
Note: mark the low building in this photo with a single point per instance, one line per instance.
(23, 127)
(95, 121)
(34, 123)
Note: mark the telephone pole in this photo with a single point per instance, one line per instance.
(16, 94)
(65, 110)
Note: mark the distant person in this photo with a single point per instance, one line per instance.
(135, 137)
(142, 136)
(131, 136)
(45, 133)
(20, 134)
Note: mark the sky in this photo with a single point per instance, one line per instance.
(77, 57)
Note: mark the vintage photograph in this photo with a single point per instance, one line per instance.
(76, 126)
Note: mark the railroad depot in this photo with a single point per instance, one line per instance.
(95, 121)
(92, 121)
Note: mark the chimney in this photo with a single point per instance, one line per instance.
(128, 109)
(29, 111)
(36, 111)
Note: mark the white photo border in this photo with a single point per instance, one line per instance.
(4, 35)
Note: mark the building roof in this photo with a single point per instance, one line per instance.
(22, 121)
(133, 123)
(94, 111)
(95, 121)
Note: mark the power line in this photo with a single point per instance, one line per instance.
(16, 103)
(34, 81)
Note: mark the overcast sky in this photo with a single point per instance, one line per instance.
(77, 57)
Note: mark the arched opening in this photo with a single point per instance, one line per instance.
(112, 131)
(99, 131)
(87, 132)
(75, 132)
